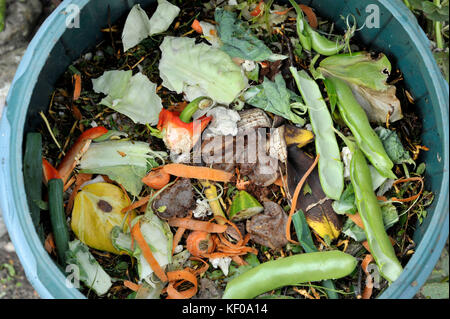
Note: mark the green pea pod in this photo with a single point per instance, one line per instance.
(321, 44)
(303, 35)
(356, 119)
(370, 212)
(331, 169)
(289, 271)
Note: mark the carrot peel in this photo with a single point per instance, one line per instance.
(295, 198)
(139, 238)
(197, 172)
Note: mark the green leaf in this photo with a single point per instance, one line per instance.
(436, 290)
(434, 12)
(303, 232)
(238, 41)
(393, 146)
(199, 70)
(275, 98)
(442, 59)
(346, 204)
(134, 96)
(390, 217)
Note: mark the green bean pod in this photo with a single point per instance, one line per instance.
(372, 217)
(289, 271)
(356, 119)
(331, 169)
(58, 218)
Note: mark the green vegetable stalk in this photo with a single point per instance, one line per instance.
(371, 215)
(356, 119)
(201, 102)
(58, 218)
(331, 169)
(32, 173)
(290, 271)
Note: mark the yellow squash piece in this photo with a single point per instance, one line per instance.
(96, 211)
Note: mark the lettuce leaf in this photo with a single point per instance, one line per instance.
(158, 236)
(199, 70)
(125, 162)
(238, 41)
(138, 26)
(134, 96)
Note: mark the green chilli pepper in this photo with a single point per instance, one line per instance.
(331, 169)
(356, 119)
(370, 212)
(201, 102)
(289, 271)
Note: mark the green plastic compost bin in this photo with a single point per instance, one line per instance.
(55, 46)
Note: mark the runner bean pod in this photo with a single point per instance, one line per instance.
(371, 215)
(288, 271)
(356, 119)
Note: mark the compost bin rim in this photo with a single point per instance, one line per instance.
(11, 168)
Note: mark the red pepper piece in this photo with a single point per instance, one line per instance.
(178, 135)
(49, 171)
(80, 147)
(257, 11)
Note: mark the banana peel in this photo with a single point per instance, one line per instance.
(318, 209)
(96, 211)
(297, 136)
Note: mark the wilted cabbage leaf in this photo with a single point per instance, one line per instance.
(238, 41)
(125, 162)
(89, 270)
(159, 238)
(138, 26)
(393, 146)
(275, 98)
(367, 77)
(199, 70)
(134, 96)
(97, 209)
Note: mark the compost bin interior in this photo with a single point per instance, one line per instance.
(389, 38)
